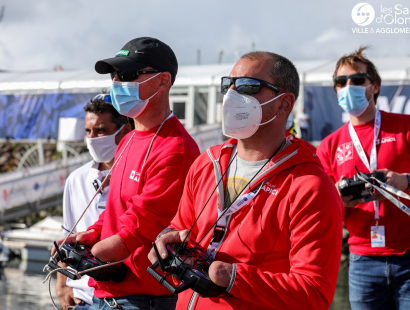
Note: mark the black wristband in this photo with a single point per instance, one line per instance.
(164, 232)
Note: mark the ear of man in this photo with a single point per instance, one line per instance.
(286, 105)
(165, 82)
(126, 129)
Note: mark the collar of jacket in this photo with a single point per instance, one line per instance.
(295, 154)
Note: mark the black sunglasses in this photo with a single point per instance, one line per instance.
(130, 76)
(246, 85)
(357, 79)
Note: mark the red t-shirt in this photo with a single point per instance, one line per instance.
(338, 156)
(142, 201)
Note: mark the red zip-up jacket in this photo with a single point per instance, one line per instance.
(284, 245)
(142, 201)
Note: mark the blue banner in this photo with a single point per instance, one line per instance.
(36, 116)
(320, 103)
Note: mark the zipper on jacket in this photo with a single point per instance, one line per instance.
(223, 237)
(192, 301)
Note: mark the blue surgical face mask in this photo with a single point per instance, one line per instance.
(125, 98)
(352, 99)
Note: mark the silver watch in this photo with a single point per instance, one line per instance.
(164, 232)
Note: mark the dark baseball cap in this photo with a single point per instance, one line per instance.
(140, 53)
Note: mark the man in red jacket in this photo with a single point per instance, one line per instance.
(147, 183)
(279, 247)
(379, 272)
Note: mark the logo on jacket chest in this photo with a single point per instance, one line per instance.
(344, 152)
(386, 140)
(269, 188)
(135, 176)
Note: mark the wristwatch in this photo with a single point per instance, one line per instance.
(164, 232)
(408, 180)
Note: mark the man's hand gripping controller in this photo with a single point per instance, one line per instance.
(79, 257)
(189, 270)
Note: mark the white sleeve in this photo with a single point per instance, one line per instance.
(68, 221)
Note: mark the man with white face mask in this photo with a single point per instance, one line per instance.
(379, 241)
(278, 240)
(146, 185)
(105, 128)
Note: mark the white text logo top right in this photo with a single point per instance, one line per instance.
(386, 19)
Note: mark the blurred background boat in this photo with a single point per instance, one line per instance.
(34, 243)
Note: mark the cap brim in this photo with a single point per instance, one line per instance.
(124, 64)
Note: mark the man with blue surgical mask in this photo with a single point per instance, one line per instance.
(147, 183)
(373, 140)
(105, 128)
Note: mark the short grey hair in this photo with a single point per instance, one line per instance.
(283, 72)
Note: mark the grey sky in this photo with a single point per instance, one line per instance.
(38, 34)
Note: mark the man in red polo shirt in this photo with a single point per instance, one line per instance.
(147, 183)
(379, 273)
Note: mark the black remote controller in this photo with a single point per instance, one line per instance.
(79, 257)
(359, 188)
(190, 269)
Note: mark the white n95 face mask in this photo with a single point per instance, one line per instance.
(102, 149)
(242, 114)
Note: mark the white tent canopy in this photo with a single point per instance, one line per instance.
(315, 71)
(195, 94)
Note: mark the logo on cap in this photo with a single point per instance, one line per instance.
(122, 52)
